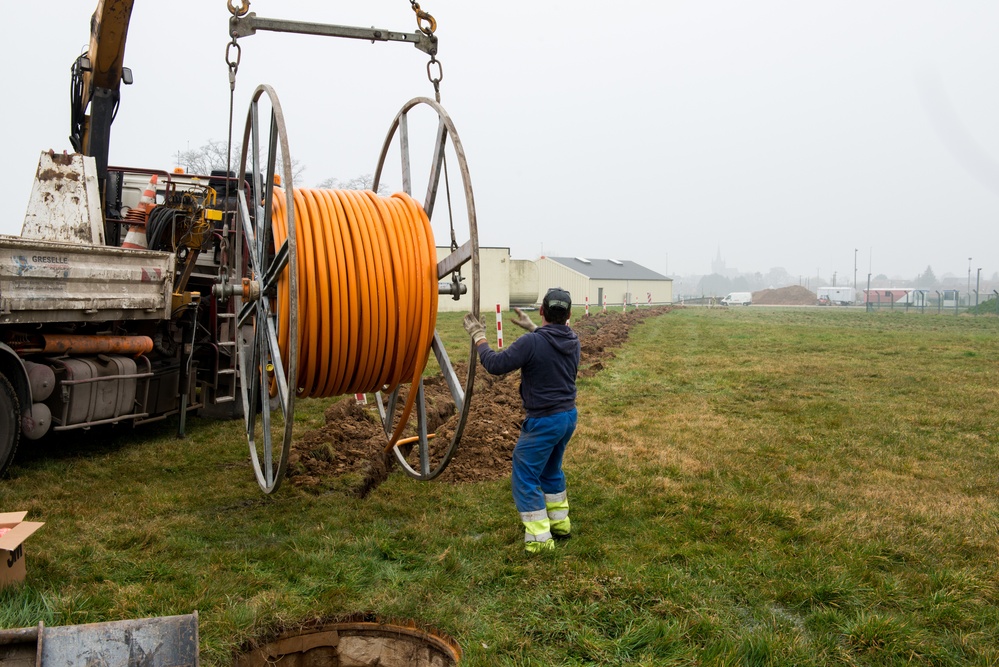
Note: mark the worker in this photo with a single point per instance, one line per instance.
(548, 358)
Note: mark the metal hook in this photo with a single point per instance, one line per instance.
(244, 7)
(424, 16)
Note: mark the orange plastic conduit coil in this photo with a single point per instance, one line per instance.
(367, 301)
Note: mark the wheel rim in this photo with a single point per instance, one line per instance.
(10, 423)
(464, 256)
(267, 307)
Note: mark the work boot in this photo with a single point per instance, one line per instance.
(538, 547)
(557, 509)
(537, 532)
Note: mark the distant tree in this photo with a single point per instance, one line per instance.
(714, 285)
(927, 278)
(739, 284)
(778, 277)
(214, 156)
(881, 277)
(363, 182)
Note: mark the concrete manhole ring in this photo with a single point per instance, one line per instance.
(355, 644)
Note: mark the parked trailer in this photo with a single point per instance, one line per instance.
(838, 296)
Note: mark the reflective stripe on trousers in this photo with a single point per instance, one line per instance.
(557, 505)
(537, 528)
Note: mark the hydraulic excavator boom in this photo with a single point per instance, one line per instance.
(97, 78)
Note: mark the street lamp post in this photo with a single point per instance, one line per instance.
(854, 273)
(978, 285)
(969, 281)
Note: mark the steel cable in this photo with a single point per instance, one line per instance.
(367, 292)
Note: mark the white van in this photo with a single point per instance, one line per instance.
(738, 298)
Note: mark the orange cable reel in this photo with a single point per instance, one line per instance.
(367, 302)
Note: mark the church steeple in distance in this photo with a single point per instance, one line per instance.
(718, 264)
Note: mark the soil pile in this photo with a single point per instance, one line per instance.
(352, 441)
(794, 295)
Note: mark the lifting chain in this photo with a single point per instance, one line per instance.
(427, 25)
(428, 30)
(233, 53)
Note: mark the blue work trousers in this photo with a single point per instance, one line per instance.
(537, 459)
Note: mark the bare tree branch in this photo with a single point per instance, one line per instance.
(363, 182)
(213, 156)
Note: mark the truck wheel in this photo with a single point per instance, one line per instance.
(10, 423)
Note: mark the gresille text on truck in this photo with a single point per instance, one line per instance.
(136, 295)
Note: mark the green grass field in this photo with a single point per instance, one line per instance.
(749, 486)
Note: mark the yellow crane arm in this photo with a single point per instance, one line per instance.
(97, 79)
(108, 29)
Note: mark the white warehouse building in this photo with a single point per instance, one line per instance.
(522, 283)
(620, 282)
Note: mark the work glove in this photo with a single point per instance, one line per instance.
(523, 321)
(475, 328)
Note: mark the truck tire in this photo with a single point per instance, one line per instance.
(10, 423)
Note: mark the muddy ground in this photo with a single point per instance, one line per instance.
(350, 445)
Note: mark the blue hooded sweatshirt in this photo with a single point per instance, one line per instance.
(548, 359)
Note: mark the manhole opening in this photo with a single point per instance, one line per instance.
(355, 644)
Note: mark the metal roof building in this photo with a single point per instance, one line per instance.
(611, 281)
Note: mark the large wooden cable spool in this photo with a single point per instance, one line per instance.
(339, 292)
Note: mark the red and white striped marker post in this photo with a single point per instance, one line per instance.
(499, 328)
(362, 399)
(648, 297)
(587, 305)
(624, 304)
(605, 303)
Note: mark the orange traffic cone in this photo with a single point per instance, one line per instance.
(137, 217)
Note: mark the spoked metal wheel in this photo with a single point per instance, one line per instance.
(460, 267)
(267, 303)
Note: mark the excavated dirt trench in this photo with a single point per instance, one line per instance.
(351, 442)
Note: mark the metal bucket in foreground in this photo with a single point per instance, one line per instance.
(167, 641)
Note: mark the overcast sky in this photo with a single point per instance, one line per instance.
(782, 133)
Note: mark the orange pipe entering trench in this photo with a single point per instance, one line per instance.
(367, 292)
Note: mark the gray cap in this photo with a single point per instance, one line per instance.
(557, 299)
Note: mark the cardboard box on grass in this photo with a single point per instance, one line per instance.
(12, 568)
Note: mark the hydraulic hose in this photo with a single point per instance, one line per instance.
(367, 292)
